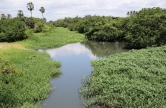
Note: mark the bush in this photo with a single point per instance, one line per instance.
(38, 27)
(12, 30)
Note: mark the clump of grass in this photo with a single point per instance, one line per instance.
(127, 80)
(33, 86)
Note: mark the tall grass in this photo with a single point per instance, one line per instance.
(136, 79)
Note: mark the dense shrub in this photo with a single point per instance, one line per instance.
(146, 31)
(104, 33)
(37, 24)
(38, 27)
(30, 22)
(12, 30)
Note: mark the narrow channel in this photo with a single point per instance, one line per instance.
(75, 59)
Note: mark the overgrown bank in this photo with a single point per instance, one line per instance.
(128, 80)
(140, 29)
(25, 73)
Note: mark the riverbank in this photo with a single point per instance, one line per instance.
(128, 80)
(25, 72)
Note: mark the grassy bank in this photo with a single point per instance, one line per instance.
(136, 79)
(57, 37)
(25, 73)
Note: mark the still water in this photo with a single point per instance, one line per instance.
(75, 59)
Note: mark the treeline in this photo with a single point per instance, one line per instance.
(16, 29)
(22, 27)
(141, 29)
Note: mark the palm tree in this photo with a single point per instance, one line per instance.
(30, 7)
(128, 13)
(9, 16)
(20, 14)
(131, 13)
(42, 10)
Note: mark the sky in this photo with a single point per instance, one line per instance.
(59, 9)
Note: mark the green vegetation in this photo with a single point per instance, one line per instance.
(25, 76)
(55, 38)
(13, 30)
(128, 80)
(25, 73)
(16, 29)
(135, 79)
(141, 29)
(21, 27)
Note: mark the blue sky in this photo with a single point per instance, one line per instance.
(57, 9)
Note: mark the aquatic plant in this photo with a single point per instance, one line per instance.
(128, 80)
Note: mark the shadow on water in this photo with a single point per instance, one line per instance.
(75, 59)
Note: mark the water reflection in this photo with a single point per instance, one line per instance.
(75, 59)
(103, 49)
(71, 49)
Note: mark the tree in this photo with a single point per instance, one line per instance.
(3, 16)
(9, 16)
(42, 10)
(128, 13)
(20, 14)
(30, 7)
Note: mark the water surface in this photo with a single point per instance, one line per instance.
(75, 59)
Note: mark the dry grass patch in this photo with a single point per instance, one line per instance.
(10, 46)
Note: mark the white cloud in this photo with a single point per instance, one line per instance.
(56, 9)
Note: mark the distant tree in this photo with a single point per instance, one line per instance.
(3, 16)
(20, 14)
(42, 10)
(131, 13)
(9, 16)
(30, 7)
(128, 13)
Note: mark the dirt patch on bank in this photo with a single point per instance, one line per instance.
(10, 46)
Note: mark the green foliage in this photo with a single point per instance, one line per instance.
(136, 79)
(146, 31)
(38, 27)
(12, 30)
(30, 22)
(31, 85)
(9, 77)
(141, 29)
(27, 82)
(55, 38)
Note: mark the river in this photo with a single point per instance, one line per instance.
(75, 59)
